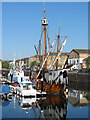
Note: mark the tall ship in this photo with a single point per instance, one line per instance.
(50, 79)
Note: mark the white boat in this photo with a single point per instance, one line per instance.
(25, 89)
(17, 76)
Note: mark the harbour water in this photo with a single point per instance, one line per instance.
(75, 105)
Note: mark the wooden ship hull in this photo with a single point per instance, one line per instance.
(51, 88)
(53, 85)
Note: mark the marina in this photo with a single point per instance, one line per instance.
(48, 107)
(47, 79)
(52, 83)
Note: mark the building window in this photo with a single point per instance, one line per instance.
(74, 62)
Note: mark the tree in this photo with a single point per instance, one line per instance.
(59, 65)
(88, 62)
(33, 63)
(5, 64)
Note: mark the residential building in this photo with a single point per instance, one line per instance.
(61, 61)
(76, 57)
(34, 58)
(23, 62)
(84, 62)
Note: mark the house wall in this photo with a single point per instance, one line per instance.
(50, 59)
(73, 61)
(17, 64)
(77, 59)
(73, 54)
(61, 61)
(73, 58)
(83, 55)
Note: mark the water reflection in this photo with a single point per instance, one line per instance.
(5, 100)
(49, 107)
(54, 106)
(26, 103)
(78, 98)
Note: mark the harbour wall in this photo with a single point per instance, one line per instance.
(72, 76)
(78, 77)
(79, 81)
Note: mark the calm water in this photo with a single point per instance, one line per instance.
(75, 106)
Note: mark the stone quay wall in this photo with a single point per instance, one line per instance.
(79, 77)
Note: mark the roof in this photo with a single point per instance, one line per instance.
(86, 58)
(62, 54)
(35, 56)
(81, 51)
(22, 59)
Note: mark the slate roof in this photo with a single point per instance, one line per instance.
(62, 54)
(82, 51)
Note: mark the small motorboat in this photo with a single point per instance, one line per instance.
(25, 89)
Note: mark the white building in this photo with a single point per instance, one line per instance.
(76, 57)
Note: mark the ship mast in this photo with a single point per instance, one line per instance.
(40, 52)
(44, 24)
(58, 48)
